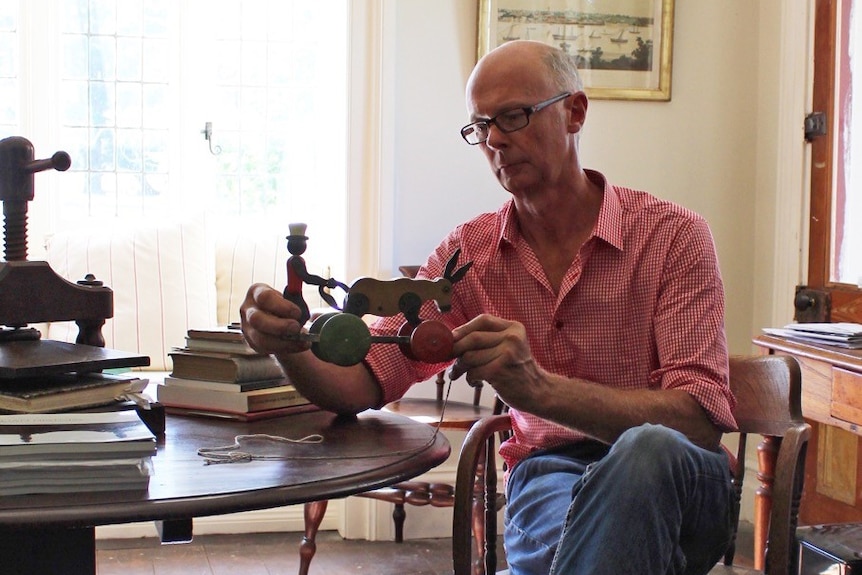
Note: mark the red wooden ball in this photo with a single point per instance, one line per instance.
(432, 342)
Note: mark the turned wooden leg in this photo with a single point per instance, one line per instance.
(313, 512)
(767, 452)
(479, 520)
(398, 516)
(490, 526)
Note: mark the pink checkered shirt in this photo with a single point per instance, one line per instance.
(642, 306)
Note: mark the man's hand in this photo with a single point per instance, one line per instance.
(496, 350)
(267, 317)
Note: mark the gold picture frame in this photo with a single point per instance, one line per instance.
(624, 50)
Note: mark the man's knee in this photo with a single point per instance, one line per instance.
(651, 451)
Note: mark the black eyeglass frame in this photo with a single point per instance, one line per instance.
(471, 128)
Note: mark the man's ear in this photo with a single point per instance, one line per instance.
(577, 108)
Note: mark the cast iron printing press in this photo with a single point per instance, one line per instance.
(31, 292)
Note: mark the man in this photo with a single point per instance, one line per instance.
(596, 312)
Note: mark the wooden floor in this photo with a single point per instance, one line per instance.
(277, 554)
(273, 554)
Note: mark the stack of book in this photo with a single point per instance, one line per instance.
(74, 452)
(839, 334)
(217, 374)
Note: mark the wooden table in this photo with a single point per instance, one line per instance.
(49, 534)
(832, 400)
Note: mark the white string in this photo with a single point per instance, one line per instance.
(233, 453)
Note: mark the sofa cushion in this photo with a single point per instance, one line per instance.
(162, 275)
(245, 255)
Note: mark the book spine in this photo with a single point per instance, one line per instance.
(273, 400)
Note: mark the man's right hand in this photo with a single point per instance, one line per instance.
(266, 319)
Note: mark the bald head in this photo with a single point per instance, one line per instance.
(533, 65)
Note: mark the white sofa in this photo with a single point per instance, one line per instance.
(167, 278)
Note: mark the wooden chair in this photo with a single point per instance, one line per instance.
(456, 416)
(768, 393)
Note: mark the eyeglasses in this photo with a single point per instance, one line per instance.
(508, 121)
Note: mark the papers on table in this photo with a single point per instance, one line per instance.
(839, 334)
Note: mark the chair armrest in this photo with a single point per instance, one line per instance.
(787, 492)
(478, 448)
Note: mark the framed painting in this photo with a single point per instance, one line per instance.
(623, 47)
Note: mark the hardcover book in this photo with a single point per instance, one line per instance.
(62, 476)
(238, 347)
(239, 416)
(230, 333)
(49, 436)
(227, 367)
(67, 391)
(224, 385)
(228, 339)
(232, 401)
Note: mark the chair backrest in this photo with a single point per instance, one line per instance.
(768, 392)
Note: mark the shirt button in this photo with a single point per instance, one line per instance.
(558, 325)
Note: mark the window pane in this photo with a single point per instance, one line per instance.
(129, 105)
(9, 103)
(130, 18)
(75, 103)
(75, 17)
(103, 17)
(103, 58)
(9, 96)
(75, 66)
(102, 104)
(156, 60)
(847, 202)
(102, 150)
(129, 59)
(129, 154)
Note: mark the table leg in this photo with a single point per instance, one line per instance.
(314, 512)
(175, 531)
(48, 551)
(767, 453)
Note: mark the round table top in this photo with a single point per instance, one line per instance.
(357, 454)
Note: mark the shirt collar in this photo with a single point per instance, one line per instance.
(608, 225)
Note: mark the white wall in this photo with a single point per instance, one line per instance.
(700, 149)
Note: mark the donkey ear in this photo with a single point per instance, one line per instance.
(462, 271)
(451, 264)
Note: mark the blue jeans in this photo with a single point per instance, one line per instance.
(652, 504)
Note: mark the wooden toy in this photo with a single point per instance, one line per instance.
(343, 337)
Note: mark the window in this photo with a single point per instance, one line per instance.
(835, 243)
(9, 107)
(137, 83)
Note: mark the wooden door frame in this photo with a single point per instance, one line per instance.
(846, 299)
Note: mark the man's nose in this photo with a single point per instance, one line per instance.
(496, 136)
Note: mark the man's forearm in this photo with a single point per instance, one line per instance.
(604, 413)
(334, 388)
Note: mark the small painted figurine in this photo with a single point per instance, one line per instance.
(297, 273)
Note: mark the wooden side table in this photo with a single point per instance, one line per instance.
(832, 402)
